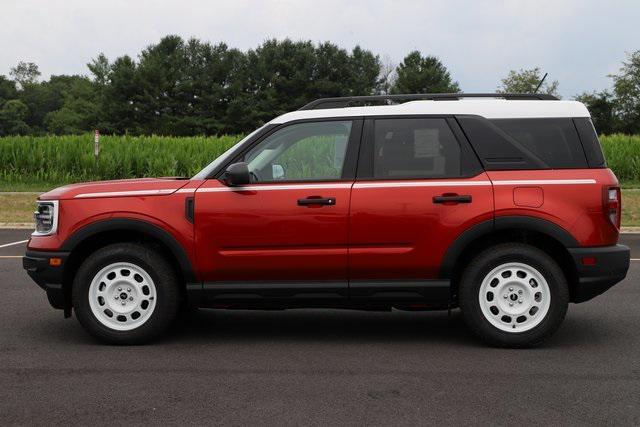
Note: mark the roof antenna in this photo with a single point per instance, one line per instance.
(541, 81)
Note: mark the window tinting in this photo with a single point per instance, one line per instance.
(555, 141)
(301, 152)
(415, 148)
(590, 142)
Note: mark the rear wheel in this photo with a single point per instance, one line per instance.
(125, 294)
(513, 295)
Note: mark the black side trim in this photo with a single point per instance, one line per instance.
(434, 292)
(502, 223)
(460, 244)
(49, 278)
(536, 224)
(287, 291)
(119, 224)
(189, 204)
(611, 265)
(360, 293)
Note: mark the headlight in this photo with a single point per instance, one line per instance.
(46, 218)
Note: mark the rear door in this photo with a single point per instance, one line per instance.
(418, 187)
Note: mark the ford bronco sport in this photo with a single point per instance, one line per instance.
(501, 205)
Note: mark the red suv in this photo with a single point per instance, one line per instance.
(501, 205)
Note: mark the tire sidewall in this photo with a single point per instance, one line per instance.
(161, 274)
(502, 254)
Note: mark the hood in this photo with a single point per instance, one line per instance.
(117, 188)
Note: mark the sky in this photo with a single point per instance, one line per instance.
(578, 42)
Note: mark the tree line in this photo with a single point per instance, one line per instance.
(192, 87)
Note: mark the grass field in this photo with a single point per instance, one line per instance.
(19, 207)
(42, 163)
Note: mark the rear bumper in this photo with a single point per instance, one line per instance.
(48, 277)
(610, 265)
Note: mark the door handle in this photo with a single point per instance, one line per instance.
(452, 199)
(311, 201)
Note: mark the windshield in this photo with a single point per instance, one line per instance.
(204, 173)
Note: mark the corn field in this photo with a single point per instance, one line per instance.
(56, 160)
(65, 159)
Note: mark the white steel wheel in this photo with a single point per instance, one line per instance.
(122, 296)
(514, 297)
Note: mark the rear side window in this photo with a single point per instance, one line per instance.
(554, 141)
(590, 142)
(415, 148)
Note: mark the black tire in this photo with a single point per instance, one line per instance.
(155, 265)
(483, 264)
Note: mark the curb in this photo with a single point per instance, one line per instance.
(16, 225)
(630, 230)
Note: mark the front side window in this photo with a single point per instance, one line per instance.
(415, 148)
(301, 152)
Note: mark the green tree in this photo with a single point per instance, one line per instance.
(12, 118)
(626, 88)
(526, 81)
(79, 110)
(25, 73)
(601, 105)
(209, 84)
(100, 68)
(7, 89)
(418, 74)
(364, 70)
(119, 108)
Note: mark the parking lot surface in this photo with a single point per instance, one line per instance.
(316, 366)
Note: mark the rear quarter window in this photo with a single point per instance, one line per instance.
(590, 142)
(554, 141)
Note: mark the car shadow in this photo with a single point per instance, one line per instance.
(316, 325)
(327, 326)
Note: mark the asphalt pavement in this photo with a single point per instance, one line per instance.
(316, 367)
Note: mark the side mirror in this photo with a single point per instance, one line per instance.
(237, 174)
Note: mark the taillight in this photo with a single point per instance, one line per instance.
(612, 205)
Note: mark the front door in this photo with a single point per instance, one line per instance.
(290, 225)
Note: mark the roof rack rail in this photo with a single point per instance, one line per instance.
(341, 102)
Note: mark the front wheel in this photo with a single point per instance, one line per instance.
(125, 293)
(513, 295)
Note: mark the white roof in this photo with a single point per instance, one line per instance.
(489, 108)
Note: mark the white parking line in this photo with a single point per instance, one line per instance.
(14, 243)
(10, 256)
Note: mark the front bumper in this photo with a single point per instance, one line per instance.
(48, 277)
(598, 269)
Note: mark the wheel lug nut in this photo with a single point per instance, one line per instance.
(119, 289)
(129, 290)
(520, 301)
(131, 299)
(511, 289)
(123, 303)
(116, 297)
(510, 304)
(520, 291)
(505, 296)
